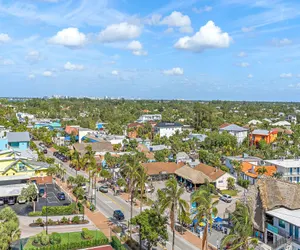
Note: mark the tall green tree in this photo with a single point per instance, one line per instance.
(130, 172)
(30, 194)
(205, 208)
(173, 201)
(242, 230)
(9, 228)
(153, 227)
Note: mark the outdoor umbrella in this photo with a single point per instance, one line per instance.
(218, 220)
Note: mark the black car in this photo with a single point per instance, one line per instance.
(61, 196)
(118, 215)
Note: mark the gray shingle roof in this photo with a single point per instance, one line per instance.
(18, 136)
(233, 127)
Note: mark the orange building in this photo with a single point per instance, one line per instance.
(250, 171)
(132, 129)
(260, 134)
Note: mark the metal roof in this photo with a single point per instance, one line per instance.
(233, 127)
(18, 136)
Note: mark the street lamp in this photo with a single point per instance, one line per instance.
(46, 208)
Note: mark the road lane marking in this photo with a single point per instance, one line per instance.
(118, 204)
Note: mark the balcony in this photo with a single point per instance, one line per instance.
(285, 236)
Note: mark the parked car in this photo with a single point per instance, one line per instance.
(22, 201)
(61, 196)
(226, 197)
(118, 215)
(45, 151)
(1, 201)
(103, 189)
(41, 192)
(11, 200)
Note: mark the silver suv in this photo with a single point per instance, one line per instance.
(226, 197)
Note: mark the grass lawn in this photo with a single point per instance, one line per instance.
(230, 192)
(69, 237)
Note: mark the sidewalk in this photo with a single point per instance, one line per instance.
(97, 218)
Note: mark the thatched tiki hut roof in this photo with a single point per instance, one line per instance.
(269, 193)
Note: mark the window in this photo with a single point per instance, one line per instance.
(281, 223)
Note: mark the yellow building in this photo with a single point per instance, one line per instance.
(17, 170)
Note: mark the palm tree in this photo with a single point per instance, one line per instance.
(240, 235)
(78, 162)
(206, 208)
(130, 172)
(172, 200)
(277, 175)
(142, 180)
(237, 167)
(261, 171)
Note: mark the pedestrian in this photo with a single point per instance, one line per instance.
(113, 188)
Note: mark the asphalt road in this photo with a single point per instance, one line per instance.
(107, 203)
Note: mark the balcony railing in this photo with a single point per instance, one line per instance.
(285, 236)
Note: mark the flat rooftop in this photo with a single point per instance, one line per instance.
(288, 163)
(12, 190)
(291, 216)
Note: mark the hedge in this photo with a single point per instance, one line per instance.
(36, 213)
(59, 210)
(116, 243)
(73, 245)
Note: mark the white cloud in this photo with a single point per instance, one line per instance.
(169, 30)
(296, 86)
(243, 64)
(137, 48)
(247, 29)
(70, 37)
(4, 38)
(177, 19)
(33, 56)
(73, 67)
(208, 37)
(48, 73)
(242, 54)
(201, 10)
(186, 29)
(115, 72)
(281, 42)
(7, 62)
(135, 45)
(31, 76)
(286, 75)
(174, 71)
(140, 53)
(250, 76)
(119, 32)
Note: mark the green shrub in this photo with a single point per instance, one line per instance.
(92, 207)
(243, 183)
(86, 234)
(51, 222)
(39, 221)
(37, 213)
(116, 243)
(76, 220)
(59, 210)
(55, 238)
(64, 220)
(45, 239)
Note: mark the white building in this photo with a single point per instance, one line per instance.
(148, 118)
(167, 128)
(22, 116)
(282, 124)
(290, 168)
(239, 132)
(292, 119)
(254, 122)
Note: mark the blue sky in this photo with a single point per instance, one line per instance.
(180, 49)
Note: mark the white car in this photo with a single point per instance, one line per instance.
(21, 201)
(1, 201)
(226, 198)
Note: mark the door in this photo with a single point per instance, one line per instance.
(291, 229)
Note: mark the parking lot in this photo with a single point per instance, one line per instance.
(49, 199)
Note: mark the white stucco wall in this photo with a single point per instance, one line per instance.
(221, 182)
(168, 131)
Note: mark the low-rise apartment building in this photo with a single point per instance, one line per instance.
(289, 168)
